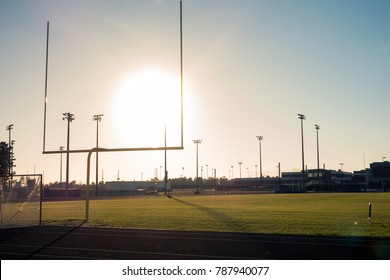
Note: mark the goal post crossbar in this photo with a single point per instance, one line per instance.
(115, 150)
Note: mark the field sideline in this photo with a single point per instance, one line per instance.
(342, 214)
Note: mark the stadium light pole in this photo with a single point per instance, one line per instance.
(98, 119)
(165, 162)
(302, 117)
(317, 127)
(13, 158)
(197, 142)
(9, 128)
(69, 118)
(261, 168)
(232, 171)
(279, 177)
(61, 149)
(239, 164)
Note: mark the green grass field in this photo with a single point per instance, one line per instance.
(344, 214)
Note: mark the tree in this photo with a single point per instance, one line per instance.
(4, 159)
(4, 162)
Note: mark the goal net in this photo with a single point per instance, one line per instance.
(21, 202)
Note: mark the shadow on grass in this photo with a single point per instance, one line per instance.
(228, 221)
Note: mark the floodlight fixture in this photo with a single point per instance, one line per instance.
(68, 117)
(97, 117)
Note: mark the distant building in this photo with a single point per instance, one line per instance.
(255, 184)
(317, 180)
(360, 179)
(380, 169)
(135, 186)
(379, 176)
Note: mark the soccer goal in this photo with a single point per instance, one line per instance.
(21, 201)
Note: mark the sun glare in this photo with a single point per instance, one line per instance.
(145, 103)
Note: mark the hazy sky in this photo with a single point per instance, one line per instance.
(249, 68)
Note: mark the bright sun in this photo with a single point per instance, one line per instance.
(145, 103)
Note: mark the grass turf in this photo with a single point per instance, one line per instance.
(343, 214)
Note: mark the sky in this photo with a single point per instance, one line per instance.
(249, 67)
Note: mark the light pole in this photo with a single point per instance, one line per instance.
(197, 142)
(279, 177)
(207, 171)
(160, 171)
(69, 118)
(9, 128)
(232, 171)
(240, 163)
(317, 127)
(302, 117)
(61, 149)
(98, 119)
(261, 168)
(165, 162)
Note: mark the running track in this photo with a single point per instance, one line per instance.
(49, 242)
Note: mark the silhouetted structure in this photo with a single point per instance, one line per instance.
(378, 176)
